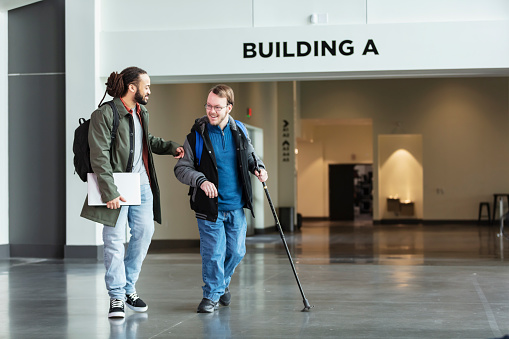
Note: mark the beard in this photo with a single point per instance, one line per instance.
(140, 99)
(224, 118)
(219, 121)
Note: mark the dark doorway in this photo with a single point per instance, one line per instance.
(363, 196)
(350, 191)
(341, 192)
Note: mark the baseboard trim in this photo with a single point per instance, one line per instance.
(36, 251)
(267, 230)
(449, 222)
(84, 252)
(170, 245)
(424, 222)
(397, 221)
(315, 218)
(5, 251)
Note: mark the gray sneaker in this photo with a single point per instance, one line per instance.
(226, 298)
(207, 306)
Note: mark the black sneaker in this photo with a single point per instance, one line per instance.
(207, 306)
(116, 309)
(135, 303)
(226, 298)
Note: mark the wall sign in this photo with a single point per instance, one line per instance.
(285, 145)
(314, 52)
(304, 48)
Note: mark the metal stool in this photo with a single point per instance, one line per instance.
(481, 205)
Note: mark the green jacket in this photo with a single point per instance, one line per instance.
(99, 140)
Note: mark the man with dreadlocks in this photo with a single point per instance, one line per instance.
(132, 152)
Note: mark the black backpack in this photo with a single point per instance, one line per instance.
(80, 146)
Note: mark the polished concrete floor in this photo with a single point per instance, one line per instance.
(364, 280)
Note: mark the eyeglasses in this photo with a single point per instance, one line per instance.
(215, 108)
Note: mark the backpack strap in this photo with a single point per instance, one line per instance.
(114, 128)
(115, 120)
(242, 127)
(198, 148)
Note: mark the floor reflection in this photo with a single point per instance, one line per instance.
(4, 311)
(217, 324)
(327, 242)
(127, 328)
(365, 281)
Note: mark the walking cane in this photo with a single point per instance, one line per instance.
(307, 307)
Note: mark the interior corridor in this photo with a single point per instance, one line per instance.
(364, 280)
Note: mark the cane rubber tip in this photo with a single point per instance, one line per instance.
(307, 308)
(307, 305)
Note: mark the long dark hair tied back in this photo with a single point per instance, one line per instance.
(118, 83)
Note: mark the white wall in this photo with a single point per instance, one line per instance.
(4, 132)
(175, 15)
(173, 109)
(311, 184)
(400, 173)
(404, 50)
(166, 15)
(82, 96)
(161, 15)
(269, 13)
(463, 122)
(393, 11)
(328, 142)
(434, 41)
(263, 98)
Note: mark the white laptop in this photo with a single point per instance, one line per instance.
(128, 185)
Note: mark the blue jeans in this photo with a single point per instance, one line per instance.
(123, 272)
(222, 247)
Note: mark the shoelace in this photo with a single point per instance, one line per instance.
(133, 296)
(116, 303)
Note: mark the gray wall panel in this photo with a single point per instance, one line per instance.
(37, 160)
(37, 38)
(37, 130)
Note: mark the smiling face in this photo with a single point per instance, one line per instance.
(218, 117)
(142, 89)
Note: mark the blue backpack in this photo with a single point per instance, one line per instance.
(198, 148)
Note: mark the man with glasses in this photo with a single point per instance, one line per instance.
(217, 161)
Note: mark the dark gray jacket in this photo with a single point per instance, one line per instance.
(192, 172)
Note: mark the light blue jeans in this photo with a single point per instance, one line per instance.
(123, 269)
(222, 247)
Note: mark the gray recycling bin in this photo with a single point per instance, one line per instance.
(286, 219)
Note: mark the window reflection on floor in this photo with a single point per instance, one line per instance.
(326, 242)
